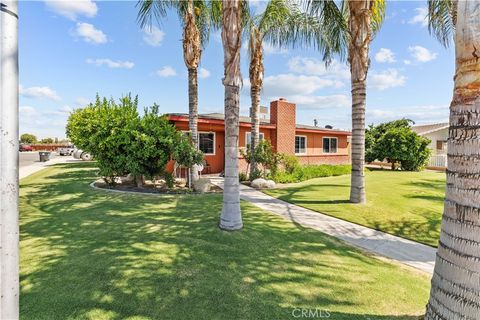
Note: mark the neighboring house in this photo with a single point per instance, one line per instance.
(438, 134)
(312, 145)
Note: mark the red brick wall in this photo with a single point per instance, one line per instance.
(282, 114)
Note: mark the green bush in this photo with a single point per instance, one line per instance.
(242, 176)
(289, 162)
(397, 143)
(123, 142)
(302, 173)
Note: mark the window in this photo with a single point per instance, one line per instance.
(329, 145)
(206, 142)
(248, 138)
(441, 145)
(300, 144)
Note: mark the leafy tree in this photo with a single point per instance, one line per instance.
(46, 140)
(28, 138)
(106, 129)
(398, 144)
(374, 133)
(123, 142)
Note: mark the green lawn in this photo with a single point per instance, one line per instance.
(88, 254)
(407, 204)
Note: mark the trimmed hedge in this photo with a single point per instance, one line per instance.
(307, 172)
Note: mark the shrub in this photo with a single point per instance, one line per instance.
(289, 162)
(169, 180)
(242, 176)
(302, 173)
(123, 142)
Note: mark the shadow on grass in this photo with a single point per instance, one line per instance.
(88, 254)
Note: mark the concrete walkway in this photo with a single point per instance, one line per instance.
(37, 166)
(408, 252)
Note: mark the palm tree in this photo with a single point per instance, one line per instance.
(231, 217)
(283, 23)
(195, 19)
(9, 249)
(455, 291)
(364, 18)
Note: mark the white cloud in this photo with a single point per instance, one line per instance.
(63, 111)
(420, 17)
(422, 54)
(153, 36)
(166, 72)
(72, 9)
(386, 79)
(421, 114)
(268, 49)
(283, 85)
(27, 111)
(385, 55)
(407, 62)
(39, 93)
(89, 33)
(311, 66)
(111, 64)
(203, 73)
(320, 102)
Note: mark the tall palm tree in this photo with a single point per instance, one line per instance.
(364, 18)
(195, 19)
(283, 23)
(455, 291)
(231, 217)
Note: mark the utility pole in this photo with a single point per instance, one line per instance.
(9, 227)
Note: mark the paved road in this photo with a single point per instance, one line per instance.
(28, 158)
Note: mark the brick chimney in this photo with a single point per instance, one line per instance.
(282, 114)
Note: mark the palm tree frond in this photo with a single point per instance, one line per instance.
(441, 20)
(377, 10)
(148, 10)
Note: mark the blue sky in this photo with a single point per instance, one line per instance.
(69, 51)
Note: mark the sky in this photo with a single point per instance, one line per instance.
(72, 50)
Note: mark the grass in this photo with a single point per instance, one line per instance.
(88, 254)
(406, 204)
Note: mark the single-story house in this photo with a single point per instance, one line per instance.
(311, 144)
(438, 134)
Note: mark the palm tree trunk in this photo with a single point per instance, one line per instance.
(455, 291)
(231, 217)
(191, 55)
(361, 35)
(9, 232)
(256, 70)
(193, 112)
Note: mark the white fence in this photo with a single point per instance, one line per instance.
(439, 160)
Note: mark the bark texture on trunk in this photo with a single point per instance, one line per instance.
(361, 36)
(455, 291)
(231, 217)
(191, 55)
(193, 112)
(256, 71)
(9, 230)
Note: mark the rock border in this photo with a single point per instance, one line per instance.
(93, 186)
